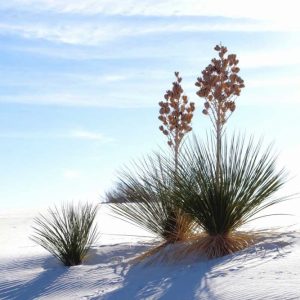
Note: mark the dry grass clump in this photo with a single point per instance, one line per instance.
(213, 246)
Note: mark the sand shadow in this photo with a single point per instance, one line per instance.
(119, 252)
(18, 289)
(168, 281)
(33, 277)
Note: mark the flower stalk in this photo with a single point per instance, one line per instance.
(176, 114)
(220, 85)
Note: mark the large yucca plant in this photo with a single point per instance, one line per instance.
(247, 180)
(148, 201)
(67, 233)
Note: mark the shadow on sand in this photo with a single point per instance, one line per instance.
(29, 278)
(108, 266)
(167, 281)
(20, 289)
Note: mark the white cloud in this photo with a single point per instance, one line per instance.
(80, 29)
(110, 78)
(89, 33)
(71, 174)
(73, 134)
(50, 99)
(95, 34)
(88, 135)
(110, 99)
(76, 33)
(274, 82)
(268, 9)
(17, 135)
(280, 56)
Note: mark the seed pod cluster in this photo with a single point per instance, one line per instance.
(219, 85)
(176, 114)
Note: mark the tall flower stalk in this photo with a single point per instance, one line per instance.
(176, 114)
(220, 85)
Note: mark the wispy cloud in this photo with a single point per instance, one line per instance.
(71, 174)
(117, 99)
(279, 56)
(283, 10)
(81, 32)
(132, 44)
(274, 82)
(79, 134)
(65, 99)
(89, 135)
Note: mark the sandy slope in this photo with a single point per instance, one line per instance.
(270, 270)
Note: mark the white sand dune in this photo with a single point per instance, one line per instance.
(269, 270)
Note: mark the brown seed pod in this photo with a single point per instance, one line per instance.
(206, 105)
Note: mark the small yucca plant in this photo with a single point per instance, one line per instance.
(247, 181)
(148, 201)
(67, 233)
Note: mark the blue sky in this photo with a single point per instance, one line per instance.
(81, 81)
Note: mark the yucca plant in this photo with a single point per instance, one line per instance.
(68, 233)
(247, 183)
(145, 196)
(148, 201)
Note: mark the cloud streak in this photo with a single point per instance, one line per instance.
(76, 134)
(89, 135)
(71, 174)
(257, 9)
(92, 34)
(112, 54)
(78, 31)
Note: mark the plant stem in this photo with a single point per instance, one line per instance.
(176, 149)
(218, 153)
